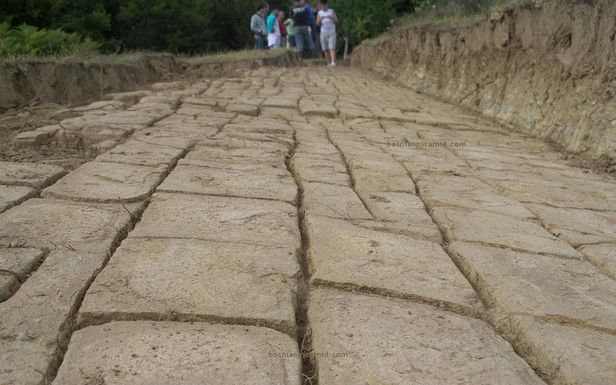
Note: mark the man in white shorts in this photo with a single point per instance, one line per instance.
(327, 20)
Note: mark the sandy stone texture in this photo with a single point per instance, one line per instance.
(264, 182)
(603, 256)
(344, 254)
(142, 153)
(195, 280)
(231, 220)
(107, 183)
(145, 353)
(54, 224)
(13, 195)
(375, 340)
(16, 264)
(333, 201)
(557, 288)
(496, 229)
(29, 174)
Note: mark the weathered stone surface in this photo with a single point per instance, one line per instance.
(520, 283)
(244, 109)
(51, 224)
(141, 153)
(15, 266)
(333, 201)
(195, 279)
(603, 256)
(316, 169)
(29, 174)
(578, 227)
(140, 353)
(319, 108)
(263, 182)
(35, 321)
(228, 152)
(42, 135)
(13, 195)
(376, 340)
(342, 253)
(470, 193)
(232, 220)
(107, 182)
(496, 229)
(567, 355)
(401, 212)
(374, 181)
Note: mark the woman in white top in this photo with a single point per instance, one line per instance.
(327, 20)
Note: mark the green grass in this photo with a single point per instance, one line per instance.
(450, 14)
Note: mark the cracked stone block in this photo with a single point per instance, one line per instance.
(107, 183)
(278, 102)
(34, 175)
(500, 230)
(14, 195)
(130, 97)
(223, 219)
(378, 340)
(195, 279)
(244, 109)
(264, 182)
(221, 155)
(542, 286)
(401, 212)
(318, 108)
(146, 352)
(35, 321)
(374, 181)
(16, 264)
(316, 169)
(345, 254)
(566, 355)
(112, 126)
(51, 224)
(578, 227)
(42, 135)
(333, 201)
(420, 162)
(102, 105)
(603, 256)
(470, 193)
(141, 153)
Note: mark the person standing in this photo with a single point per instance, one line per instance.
(273, 30)
(303, 20)
(282, 28)
(327, 20)
(259, 27)
(290, 32)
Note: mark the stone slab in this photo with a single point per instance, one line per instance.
(565, 355)
(232, 220)
(14, 195)
(316, 169)
(603, 256)
(141, 153)
(333, 201)
(578, 227)
(34, 321)
(196, 280)
(146, 353)
(375, 340)
(29, 174)
(401, 212)
(51, 224)
(342, 253)
(470, 193)
(264, 182)
(501, 230)
(107, 183)
(16, 264)
(521, 283)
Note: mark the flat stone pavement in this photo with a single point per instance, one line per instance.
(305, 226)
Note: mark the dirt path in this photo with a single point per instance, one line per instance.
(306, 226)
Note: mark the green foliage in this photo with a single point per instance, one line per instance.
(32, 41)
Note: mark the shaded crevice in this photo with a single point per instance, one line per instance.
(350, 173)
(304, 334)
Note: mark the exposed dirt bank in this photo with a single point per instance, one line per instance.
(548, 69)
(77, 82)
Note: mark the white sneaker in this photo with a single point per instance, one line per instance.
(332, 65)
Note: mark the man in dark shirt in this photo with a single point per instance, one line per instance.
(305, 28)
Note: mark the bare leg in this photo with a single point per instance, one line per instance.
(327, 56)
(332, 55)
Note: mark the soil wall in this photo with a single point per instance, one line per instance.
(548, 69)
(78, 82)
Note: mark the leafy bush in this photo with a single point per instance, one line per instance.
(32, 41)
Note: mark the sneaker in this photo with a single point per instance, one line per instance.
(332, 65)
